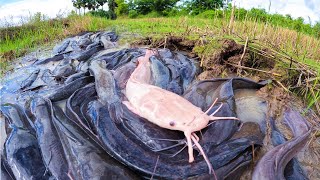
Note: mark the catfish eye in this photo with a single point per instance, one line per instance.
(172, 123)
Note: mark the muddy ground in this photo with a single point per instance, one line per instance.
(226, 58)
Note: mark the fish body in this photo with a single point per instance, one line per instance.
(166, 109)
(22, 151)
(273, 163)
(161, 107)
(153, 103)
(48, 138)
(90, 158)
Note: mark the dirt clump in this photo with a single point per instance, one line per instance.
(230, 50)
(235, 62)
(219, 52)
(218, 58)
(260, 61)
(233, 53)
(218, 71)
(173, 43)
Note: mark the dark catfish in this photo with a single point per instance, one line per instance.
(76, 76)
(6, 172)
(64, 69)
(182, 71)
(19, 80)
(49, 141)
(111, 58)
(123, 73)
(85, 55)
(54, 58)
(104, 82)
(90, 157)
(75, 102)
(273, 163)
(26, 83)
(293, 169)
(160, 73)
(117, 59)
(187, 70)
(61, 47)
(22, 151)
(66, 90)
(130, 56)
(295, 121)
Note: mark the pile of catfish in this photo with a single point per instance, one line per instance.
(57, 126)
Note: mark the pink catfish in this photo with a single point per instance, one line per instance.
(166, 109)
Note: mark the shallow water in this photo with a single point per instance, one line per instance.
(276, 100)
(251, 108)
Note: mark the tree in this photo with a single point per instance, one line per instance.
(147, 6)
(91, 4)
(112, 5)
(316, 28)
(78, 4)
(123, 7)
(198, 6)
(101, 2)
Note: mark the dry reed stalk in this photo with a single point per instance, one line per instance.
(317, 105)
(254, 69)
(230, 27)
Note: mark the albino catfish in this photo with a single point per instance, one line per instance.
(166, 109)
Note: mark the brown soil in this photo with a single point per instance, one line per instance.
(222, 62)
(230, 51)
(173, 43)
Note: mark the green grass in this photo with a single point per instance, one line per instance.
(284, 44)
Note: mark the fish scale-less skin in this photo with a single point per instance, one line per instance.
(162, 107)
(21, 147)
(166, 109)
(90, 158)
(273, 163)
(49, 141)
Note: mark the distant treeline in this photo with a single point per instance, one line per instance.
(198, 8)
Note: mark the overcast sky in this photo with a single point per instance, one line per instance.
(14, 10)
(296, 8)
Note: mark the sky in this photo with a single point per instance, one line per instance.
(12, 11)
(296, 8)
